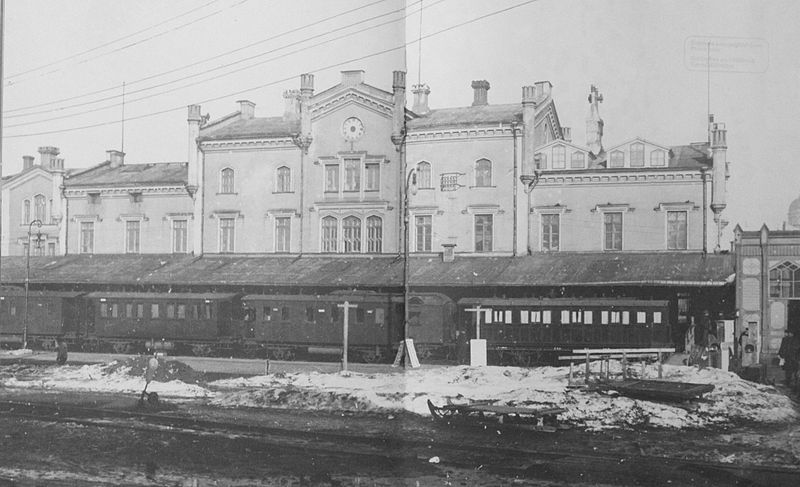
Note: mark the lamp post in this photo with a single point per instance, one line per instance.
(410, 186)
(38, 241)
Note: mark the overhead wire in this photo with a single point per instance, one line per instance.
(288, 78)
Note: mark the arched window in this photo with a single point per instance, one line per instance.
(329, 234)
(784, 281)
(40, 207)
(284, 180)
(483, 172)
(351, 232)
(578, 160)
(617, 159)
(374, 234)
(226, 180)
(26, 212)
(424, 175)
(637, 154)
(559, 157)
(657, 158)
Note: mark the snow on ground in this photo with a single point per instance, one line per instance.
(733, 399)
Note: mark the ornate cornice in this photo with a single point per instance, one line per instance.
(125, 191)
(276, 143)
(324, 106)
(616, 178)
(435, 135)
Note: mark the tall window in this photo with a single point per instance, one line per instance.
(374, 234)
(284, 180)
(26, 212)
(613, 230)
(180, 236)
(483, 233)
(637, 154)
(283, 233)
(329, 234)
(372, 174)
(578, 160)
(657, 158)
(226, 234)
(424, 175)
(559, 157)
(784, 281)
(226, 180)
(540, 160)
(40, 207)
(352, 174)
(423, 225)
(351, 230)
(676, 230)
(132, 234)
(87, 237)
(483, 172)
(617, 159)
(331, 178)
(551, 232)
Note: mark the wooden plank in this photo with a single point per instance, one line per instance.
(584, 351)
(599, 356)
(514, 410)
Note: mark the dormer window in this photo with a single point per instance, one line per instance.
(578, 160)
(559, 157)
(657, 158)
(637, 154)
(617, 159)
(541, 161)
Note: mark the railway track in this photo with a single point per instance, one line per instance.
(567, 463)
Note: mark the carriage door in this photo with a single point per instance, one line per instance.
(793, 320)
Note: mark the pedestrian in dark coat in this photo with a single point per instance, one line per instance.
(61, 351)
(790, 354)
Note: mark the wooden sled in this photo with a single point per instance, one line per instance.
(484, 414)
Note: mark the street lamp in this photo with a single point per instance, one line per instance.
(38, 241)
(411, 186)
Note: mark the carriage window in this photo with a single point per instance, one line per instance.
(657, 317)
(13, 310)
(536, 316)
(587, 317)
(626, 318)
(115, 310)
(181, 311)
(207, 311)
(311, 315)
(128, 310)
(140, 310)
(641, 317)
(615, 317)
(488, 316)
(379, 316)
(171, 311)
(285, 313)
(524, 316)
(103, 310)
(498, 316)
(604, 317)
(265, 315)
(361, 315)
(334, 313)
(576, 316)
(564, 317)
(154, 311)
(508, 317)
(546, 318)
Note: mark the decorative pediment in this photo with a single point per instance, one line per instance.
(352, 95)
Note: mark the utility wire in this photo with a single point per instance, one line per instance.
(87, 51)
(284, 80)
(196, 63)
(222, 67)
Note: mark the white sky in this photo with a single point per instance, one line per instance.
(633, 50)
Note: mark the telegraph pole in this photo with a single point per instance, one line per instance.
(2, 46)
(346, 330)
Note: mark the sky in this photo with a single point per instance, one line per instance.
(65, 64)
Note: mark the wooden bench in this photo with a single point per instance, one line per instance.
(606, 354)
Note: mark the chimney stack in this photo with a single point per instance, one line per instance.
(27, 162)
(47, 154)
(247, 109)
(567, 133)
(352, 77)
(481, 92)
(291, 100)
(421, 93)
(115, 158)
(57, 164)
(529, 142)
(306, 92)
(399, 112)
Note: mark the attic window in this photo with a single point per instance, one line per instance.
(93, 197)
(657, 158)
(136, 196)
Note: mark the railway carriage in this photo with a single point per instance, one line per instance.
(525, 330)
(50, 314)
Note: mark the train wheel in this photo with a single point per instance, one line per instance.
(122, 348)
(48, 344)
(201, 350)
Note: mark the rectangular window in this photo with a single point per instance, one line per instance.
(536, 316)
(283, 233)
(140, 310)
(604, 317)
(379, 316)
(87, 237)
(676, 230)
(483, 233)
(129, 310)
(132, 234)
(285, 313)
(615, 317)
(524, 316)
(206, 311)
(154, 311)
(51, 249)
(311, 314)
(637, 155)
(613, 231)
(374, 234)
(103, 310)
(641, 317)
(551, 232)
(565, 317)
(330, 236)
(372, 174)
(488, 316)
(226, 234)
(657, 317)
(180, 236)
(587, 317)
(507, 318)
(331, 178)
(352, 174)
(547, 317)
(171, 311)
(181, 311)
(578, 160)
(626, 317)
(423, 225)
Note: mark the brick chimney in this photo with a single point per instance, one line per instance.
(481, 92)
(115, 158)
(421, 93)
(399, 112)
(306, 92)
(47, 154)
(291, 100)
(247, 109)
(529, 142)
(567, 133)
(27, 162)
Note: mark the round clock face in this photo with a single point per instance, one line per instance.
(352, 129)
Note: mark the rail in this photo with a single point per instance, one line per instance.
(606, 354)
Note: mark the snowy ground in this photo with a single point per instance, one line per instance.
(732, 401)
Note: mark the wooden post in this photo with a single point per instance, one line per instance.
(477, 310)
(586, 379)
(345, 330)
(658, 357)
(624, 365)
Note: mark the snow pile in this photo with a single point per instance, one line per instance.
(733, 399)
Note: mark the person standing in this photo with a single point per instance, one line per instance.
(790, 355)
(61, 351)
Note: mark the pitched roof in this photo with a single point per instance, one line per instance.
(166, 173)
(551, 269)
(467, 116)
(692, 155)
(257, 127)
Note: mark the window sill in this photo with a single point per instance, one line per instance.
(482, 187)
(234, 194)
(283, 192)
